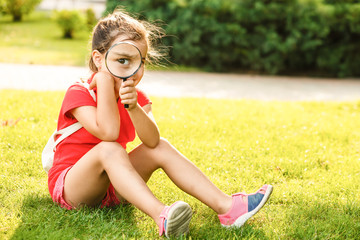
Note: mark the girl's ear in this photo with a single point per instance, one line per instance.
(97, 59)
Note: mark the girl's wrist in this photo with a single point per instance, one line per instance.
(133, 108)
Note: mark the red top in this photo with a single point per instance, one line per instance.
(72, 148)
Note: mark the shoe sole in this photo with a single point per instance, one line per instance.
(242, 219)
(178, 220)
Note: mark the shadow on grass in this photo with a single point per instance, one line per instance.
(42, 219)
(215, 231)
(205, 225)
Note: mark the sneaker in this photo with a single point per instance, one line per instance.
(244, 206)
(174, 220)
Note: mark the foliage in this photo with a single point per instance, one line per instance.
(18, 8)
(340, 52)
(341, 1)
(269, 36)
(69, 21)
(309, 152)
(2, 7)
(91, 19)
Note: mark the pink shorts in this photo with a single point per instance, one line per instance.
(109, 200)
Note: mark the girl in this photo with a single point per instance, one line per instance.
(91, 167)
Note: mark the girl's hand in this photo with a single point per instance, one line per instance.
(128, 94)
(100, 76)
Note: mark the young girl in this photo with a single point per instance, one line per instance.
(91, 166)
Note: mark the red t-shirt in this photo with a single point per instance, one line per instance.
(72, 148)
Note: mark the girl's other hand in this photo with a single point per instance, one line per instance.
(128, 94)
(99, 77)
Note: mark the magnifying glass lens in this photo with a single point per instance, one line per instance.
(123, 60)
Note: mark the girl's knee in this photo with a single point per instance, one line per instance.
(164, 143)
(162, 146)
(163, 150)
(111, 150)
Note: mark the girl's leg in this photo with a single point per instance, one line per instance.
(87, 181)
(181, 171)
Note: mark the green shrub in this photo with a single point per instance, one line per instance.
(91, 19)
(2, 6)
(339, 54)
(341, 1)
(18, 8)
(266, 36)
(69, 21)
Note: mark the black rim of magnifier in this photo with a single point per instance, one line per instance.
(116, 44)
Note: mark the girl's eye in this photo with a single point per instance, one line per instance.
(123, 61)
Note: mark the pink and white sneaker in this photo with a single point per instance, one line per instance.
(244, 206)
(174, 220)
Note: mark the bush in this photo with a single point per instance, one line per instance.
(69, 21)
(2, 6)
(18, 8)
(266, 36)
(339, 55)
(341, 1)
(91, 19)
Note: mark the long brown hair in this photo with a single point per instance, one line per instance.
(121, 23)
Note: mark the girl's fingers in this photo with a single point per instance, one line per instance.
(127, 83)
(128, 93)
(101, 76)
(128, 96)
(127, 87)
(92, 84)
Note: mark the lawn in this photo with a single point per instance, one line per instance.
(309, 152)
(38, 40)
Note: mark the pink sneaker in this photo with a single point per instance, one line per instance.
(174, 220)
(244, 206)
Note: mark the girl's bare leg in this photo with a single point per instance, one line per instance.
(181, 171)
(88, 180)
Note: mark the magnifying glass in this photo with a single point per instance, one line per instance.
(123, 60)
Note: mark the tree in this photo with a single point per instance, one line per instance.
(18, 8)
(69, 21)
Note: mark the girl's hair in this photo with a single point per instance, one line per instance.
(121, 23)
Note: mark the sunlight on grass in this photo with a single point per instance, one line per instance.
(38, 40)
(309, 151)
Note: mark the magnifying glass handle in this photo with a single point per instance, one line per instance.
(125, 105)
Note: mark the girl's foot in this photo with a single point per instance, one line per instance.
(244, 206)
(174, 220)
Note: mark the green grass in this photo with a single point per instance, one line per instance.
(309, 152)
(38, 40)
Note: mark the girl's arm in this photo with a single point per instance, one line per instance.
(145, 125)
(102, 121)
(141, 118)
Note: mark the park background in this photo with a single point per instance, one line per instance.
(296, 37)
(308, 150)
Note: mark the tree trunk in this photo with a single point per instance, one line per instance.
(68, 34)
(17, 16)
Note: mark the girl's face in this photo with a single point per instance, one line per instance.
(140, 44)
